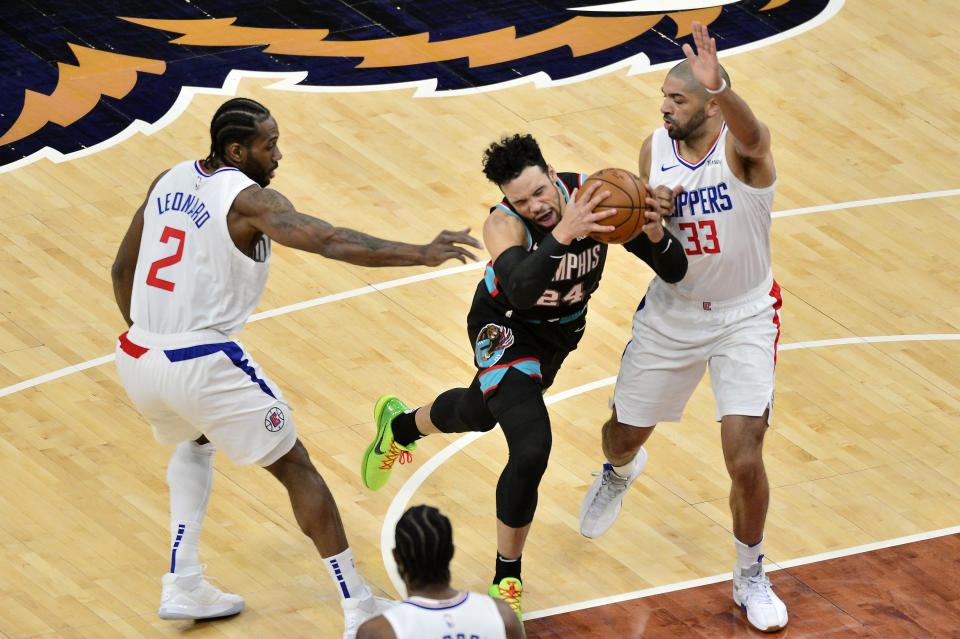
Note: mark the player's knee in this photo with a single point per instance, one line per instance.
(623, 439)
(531, 461)
(293, 465)
(745, 468)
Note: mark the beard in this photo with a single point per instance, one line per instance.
(678, 132)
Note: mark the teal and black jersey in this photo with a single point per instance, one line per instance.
(577, 277)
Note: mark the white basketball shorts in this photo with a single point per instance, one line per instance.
(674, 340)
(212, 389)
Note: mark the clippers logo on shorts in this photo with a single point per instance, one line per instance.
(492, 341)
(90, 74)
(274, 419)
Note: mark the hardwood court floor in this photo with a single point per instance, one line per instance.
(911, 590)
(865, 439)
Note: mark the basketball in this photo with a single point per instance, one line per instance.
(627, 196)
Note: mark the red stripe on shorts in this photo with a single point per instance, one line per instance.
(130, 348)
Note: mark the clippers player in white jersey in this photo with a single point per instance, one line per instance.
(188, 274)
(433, 609)
(713, 159)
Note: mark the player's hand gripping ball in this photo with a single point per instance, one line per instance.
(627, 196)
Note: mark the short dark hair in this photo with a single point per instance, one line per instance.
(235, 121)
(505, 160)
(425, 546)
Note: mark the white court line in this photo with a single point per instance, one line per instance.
(693, 583)
(871, 202)
(401, 500)
(372, 288)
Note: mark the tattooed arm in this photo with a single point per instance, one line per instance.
(265, 211)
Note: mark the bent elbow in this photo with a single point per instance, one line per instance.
(675, 275)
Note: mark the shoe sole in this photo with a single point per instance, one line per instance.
(743, 607)
(174, 615)
(377, 414)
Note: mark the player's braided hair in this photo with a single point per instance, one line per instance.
(235, 121)
(506, 159)
(425, 546)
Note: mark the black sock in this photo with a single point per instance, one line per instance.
(405, 428)
(506, 568)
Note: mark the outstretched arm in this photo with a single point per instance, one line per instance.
(269, 212)
(750, 136)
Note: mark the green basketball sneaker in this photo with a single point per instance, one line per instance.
(380, 455)
(510, 590)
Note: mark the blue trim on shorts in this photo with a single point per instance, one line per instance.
(566, 319)
(491, 377)
(230, 349)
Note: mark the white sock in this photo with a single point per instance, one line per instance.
(747, 555)
(628, 469)
(344, 574)
(190, 478)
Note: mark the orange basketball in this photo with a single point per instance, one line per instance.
(627, 196)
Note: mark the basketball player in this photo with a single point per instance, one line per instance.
(528, 314)
(187, 276)
(725, 312)
(432, 609)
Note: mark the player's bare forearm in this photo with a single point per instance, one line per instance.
(356, 247)
(751, 134)
(271, 213)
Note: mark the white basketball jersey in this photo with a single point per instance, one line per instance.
(190, 275)
(723, 223)
(468, 615)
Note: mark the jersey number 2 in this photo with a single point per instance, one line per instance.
(707, 231)
(170, 260)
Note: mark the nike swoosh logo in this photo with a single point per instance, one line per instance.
(376, 448)
(667, 168)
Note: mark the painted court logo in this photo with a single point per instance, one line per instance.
(274, 419)
(91, 74)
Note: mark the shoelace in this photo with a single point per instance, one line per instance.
(396, 453)
(759, 588)
(511, 595)
(608, 478)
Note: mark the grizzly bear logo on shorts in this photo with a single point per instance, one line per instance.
(492, 340)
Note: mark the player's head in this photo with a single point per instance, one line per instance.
(244, 135)
(516, 165)
(686, 104)
(424, 549)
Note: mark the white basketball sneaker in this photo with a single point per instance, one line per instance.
(193, 597)
(356, 610)
(603, 501)
(753, 592)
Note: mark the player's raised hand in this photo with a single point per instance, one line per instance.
(447, 246)
(704, 62)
